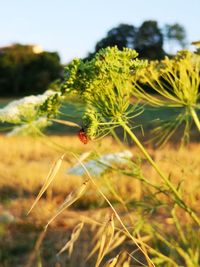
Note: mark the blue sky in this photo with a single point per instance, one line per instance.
(72, 27)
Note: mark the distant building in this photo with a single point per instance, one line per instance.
(36, 49)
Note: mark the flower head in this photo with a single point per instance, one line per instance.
(105, 84)
(24, 109)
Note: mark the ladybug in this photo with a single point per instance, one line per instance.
(82, 136)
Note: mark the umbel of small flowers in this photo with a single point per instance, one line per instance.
(31, 114)
(176, 82)
(105, 85)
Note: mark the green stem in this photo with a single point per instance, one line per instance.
(195, 117)
(177, 195)
(116, 137)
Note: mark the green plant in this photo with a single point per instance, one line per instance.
(176, 83)
(106, 85)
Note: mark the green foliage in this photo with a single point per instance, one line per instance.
(122, 36)
(105, 84)
(149, 41)
(181, 248)
(24, 70)
(176, 83)
(175, 33)
(51, 106)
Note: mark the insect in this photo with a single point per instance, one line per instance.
(101, 57)
(82, 136)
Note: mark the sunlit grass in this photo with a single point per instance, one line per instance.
(25, 163)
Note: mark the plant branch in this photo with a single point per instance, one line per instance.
(175, 192)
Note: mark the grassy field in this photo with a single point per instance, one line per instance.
(134, 189)
(25, 163)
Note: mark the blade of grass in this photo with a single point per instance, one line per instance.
(67, 123)
(49, 179)
(112, 262)
(106, 240)
(74, 236)
(71, 198)
(195, 118)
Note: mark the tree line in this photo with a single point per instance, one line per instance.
(148, 40)
(26, 69)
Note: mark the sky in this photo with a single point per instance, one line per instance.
(73, 27)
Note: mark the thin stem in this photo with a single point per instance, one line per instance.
(114, 210)
(195, 117)
(177, 195)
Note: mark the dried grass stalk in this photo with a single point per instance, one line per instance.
(71, 198)
(49, 179)
(74, 236)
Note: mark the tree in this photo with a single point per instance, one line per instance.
(175, 34)
(149, 41)
(25, 69)
(121, 36)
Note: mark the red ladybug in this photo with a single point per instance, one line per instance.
(82, 136)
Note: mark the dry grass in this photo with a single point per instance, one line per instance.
(25, 162)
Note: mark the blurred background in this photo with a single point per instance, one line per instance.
(38, 38)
